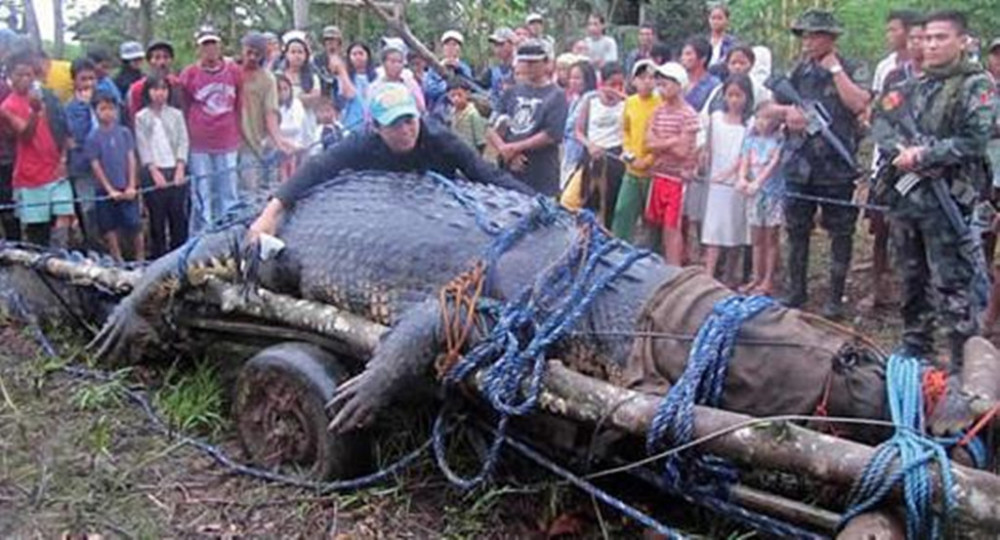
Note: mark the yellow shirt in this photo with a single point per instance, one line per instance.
(638, 111)
(59, 80)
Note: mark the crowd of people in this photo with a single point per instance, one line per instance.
(688, 145)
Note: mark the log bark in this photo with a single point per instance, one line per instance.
(777, 445)
(780, 446)
(86, 273)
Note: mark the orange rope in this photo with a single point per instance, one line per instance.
(980, 424)
(461, 294)
(934, 387)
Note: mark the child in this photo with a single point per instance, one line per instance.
(639, 109)
(81, 120)
(329, 130)
(35, 119)
(293, 120)
(670, 139)
(466, 122)
(112, 161)
(761, 182)
(599, 127)
(162, 140)
(725, 224)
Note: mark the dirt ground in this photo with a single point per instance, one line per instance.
(76, 458)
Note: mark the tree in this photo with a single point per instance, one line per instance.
(31, 23)
(60, 28)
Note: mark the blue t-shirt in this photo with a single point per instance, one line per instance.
(698, 94)
(354, 111)
(111, 147)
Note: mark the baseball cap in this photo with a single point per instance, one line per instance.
(159, 44)
(993, 45)
(675, 71)
(332, 32)
(533, 17)
(131, 50)
(392, 101)
(206, 34)
(453, 34)
(502, 35)
(532, 50)
(643, 64)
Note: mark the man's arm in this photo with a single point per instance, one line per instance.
(854, 96)
(22, 128)
(347, 155)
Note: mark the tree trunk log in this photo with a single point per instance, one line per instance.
(86, 273)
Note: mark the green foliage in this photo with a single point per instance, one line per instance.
(767, 22)
(193, 402)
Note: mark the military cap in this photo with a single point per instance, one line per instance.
(817, 20)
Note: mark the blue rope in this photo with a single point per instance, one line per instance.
(512, 358)
(703, 480)
(914, 452)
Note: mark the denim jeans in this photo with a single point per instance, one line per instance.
(213, 195)
(254, 173)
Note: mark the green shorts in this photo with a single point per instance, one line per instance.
(38, 205)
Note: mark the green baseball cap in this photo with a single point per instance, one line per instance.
(392, 101)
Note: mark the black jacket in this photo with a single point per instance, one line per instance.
(438, 150)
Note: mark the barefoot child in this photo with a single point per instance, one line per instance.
(761, 182)
(111, 150)
(725, 222)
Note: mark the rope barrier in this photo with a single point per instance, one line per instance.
(271, 162)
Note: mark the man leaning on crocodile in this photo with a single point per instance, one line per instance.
(400, 142)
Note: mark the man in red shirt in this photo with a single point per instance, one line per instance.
(211, 87)
(40, 186)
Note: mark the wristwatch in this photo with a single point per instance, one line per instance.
(836, 69)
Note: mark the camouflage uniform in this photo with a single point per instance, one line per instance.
(813, 168)
(953, 109)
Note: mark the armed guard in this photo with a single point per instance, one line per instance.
(819, 163)
(933, 131)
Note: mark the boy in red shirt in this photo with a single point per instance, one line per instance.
(40, 185)
(671, 139)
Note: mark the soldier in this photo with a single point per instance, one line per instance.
(937, 127)
(813, 168)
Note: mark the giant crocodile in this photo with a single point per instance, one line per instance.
(382, 246)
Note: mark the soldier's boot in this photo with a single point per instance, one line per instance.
(796, 294)
(840, 251)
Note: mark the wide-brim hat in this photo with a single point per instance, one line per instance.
(817, 20)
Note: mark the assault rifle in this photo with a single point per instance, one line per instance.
(889, 178)
(817, 117)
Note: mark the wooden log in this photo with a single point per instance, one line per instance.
(781, 446)
(776, 445)
(85, 273)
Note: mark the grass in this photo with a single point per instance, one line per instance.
(193, 401)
